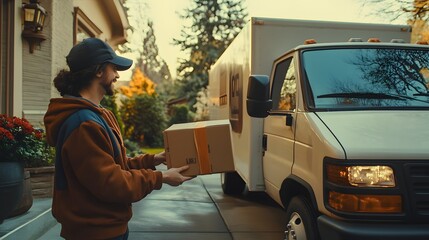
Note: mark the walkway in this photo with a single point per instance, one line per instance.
(196, 210)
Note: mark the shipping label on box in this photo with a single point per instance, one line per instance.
(204, 146)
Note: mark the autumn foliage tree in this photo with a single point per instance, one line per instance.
(142, 112)
(139, 84)
(143, 104)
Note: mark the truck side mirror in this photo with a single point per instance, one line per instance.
(258, 96)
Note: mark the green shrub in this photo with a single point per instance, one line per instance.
(133, 148)
(109, 102)
(144, 119)
(180, 114)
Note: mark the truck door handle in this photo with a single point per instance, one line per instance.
(289, 119)
(264, 142)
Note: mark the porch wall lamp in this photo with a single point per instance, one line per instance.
(34, 19)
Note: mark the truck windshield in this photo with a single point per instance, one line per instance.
(367, 78)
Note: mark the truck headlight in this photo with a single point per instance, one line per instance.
(371, 176)
(346, 178)
(361, 176)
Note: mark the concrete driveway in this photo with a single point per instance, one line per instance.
(198, 209)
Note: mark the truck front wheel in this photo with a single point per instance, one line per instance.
(301, 220)
(232, 183)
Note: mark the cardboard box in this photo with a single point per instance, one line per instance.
(205, 146)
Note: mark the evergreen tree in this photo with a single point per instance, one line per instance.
(137, 19)
(215, 23)
(150, 62)
(152, 65)
(142, 41)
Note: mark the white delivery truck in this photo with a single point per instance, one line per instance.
(336, 130)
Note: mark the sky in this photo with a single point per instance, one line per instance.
(167, 24)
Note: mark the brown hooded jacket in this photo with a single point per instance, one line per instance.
(100, 189)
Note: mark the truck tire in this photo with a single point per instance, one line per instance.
(232, 183)
(301, 220)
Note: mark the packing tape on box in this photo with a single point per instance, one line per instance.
(200, 139)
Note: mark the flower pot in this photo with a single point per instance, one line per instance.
(26, 199)
(11, 187)
(42, 181)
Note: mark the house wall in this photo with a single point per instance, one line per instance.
(36, 73)
(17, 62)
(62, 38)
(30, 75)
(97, 17)
(40, 67)
(109, 19)
(10, 58)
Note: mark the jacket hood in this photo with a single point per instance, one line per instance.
(380, 134)
(59, 110)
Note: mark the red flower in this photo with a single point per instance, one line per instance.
(39, 134)
(19, 141)
(5, 134)
(9, 125)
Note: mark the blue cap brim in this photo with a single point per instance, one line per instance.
(121, 63)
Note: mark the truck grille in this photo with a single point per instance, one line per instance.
(418, 182)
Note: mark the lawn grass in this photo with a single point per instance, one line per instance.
(152, 150)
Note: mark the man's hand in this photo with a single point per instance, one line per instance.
(173, 177)
(159, 158)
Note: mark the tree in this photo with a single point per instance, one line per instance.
(414, 11)
(153, 66)
(215, 23)
(136, 15)
(143, 111)
(150, 62)
(139, 84)
(396, 9)
(142, 41)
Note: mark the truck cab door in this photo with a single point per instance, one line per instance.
(279, 126)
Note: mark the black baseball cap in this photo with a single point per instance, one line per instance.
(94, 51)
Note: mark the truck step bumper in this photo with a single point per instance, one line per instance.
(332, 229)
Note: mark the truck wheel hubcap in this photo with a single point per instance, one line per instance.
(295, 228)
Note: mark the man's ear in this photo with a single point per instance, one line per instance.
(99, 73)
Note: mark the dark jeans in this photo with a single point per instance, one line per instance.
(122, 237)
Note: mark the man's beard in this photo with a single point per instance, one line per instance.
(108, 87)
